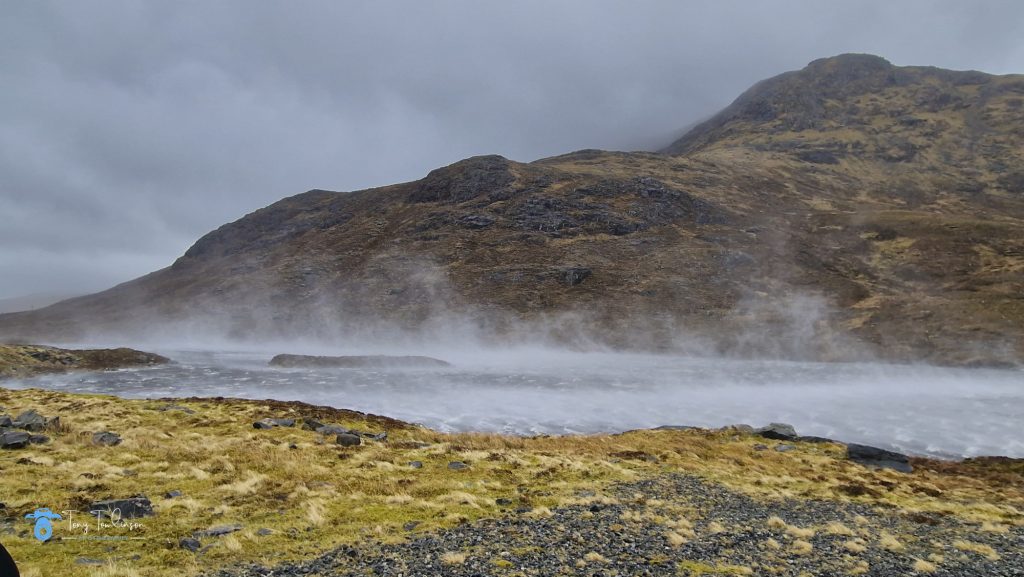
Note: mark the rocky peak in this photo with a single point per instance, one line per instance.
(464, 180)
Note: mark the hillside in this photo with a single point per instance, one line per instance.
(852, 209)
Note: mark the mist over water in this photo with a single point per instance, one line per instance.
(934, 411)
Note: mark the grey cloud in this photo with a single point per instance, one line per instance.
(128, 129)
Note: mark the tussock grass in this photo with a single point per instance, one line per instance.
(229, 473)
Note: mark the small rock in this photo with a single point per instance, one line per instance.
(190, 544)
(327, 430)
(784, 448)
(89, 561)
(760, 447)
(502, 502)
(457, 466)
(411, 525)
(264, 532)
(14, 440)
(172, 494)
(348, 440)
(263, 424)
(416, 464)
(380, 437)
(777, 431)
(219, 531)
(38, 439)
(875, 457)
(106, 439)
(293, 446)
(130, 508)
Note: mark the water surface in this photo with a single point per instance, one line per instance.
(922, 410)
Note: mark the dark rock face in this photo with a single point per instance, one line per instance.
(130, 508)
(355, 361)
(106, 439)
(875, 457)
(777, 431)
(465, 180)
(13, 440)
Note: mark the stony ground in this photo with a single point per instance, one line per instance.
(681, 525)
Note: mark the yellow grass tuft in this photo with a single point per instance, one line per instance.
(922, 566)
(675, 539)
(889, 542)
(979, 548)
(799, 533)
(594, 557)
(452, 558)
(801, 547)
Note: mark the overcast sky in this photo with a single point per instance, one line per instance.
(129, 129)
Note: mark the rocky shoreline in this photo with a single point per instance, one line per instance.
(20, 360)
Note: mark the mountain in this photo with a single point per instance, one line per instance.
(851, 209)
(29, 302)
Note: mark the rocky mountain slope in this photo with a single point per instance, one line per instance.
(850, 209)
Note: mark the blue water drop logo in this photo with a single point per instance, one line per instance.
(44, 525)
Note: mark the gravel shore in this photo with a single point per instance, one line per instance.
(639, 531)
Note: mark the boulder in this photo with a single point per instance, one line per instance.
(327, 430)
(33, 421)
(130, 508)
(14, 440)
(380, 437)
(875, 457)
(348, 440)
(6, 421)
(356, 361)
(311, 424)
(106, 439)
(777, 431)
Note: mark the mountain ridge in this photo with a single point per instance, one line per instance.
(849, 210)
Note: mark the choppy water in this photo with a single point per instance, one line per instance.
(922, 410)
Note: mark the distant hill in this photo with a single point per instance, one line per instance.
(31, 302)
(851, 209)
